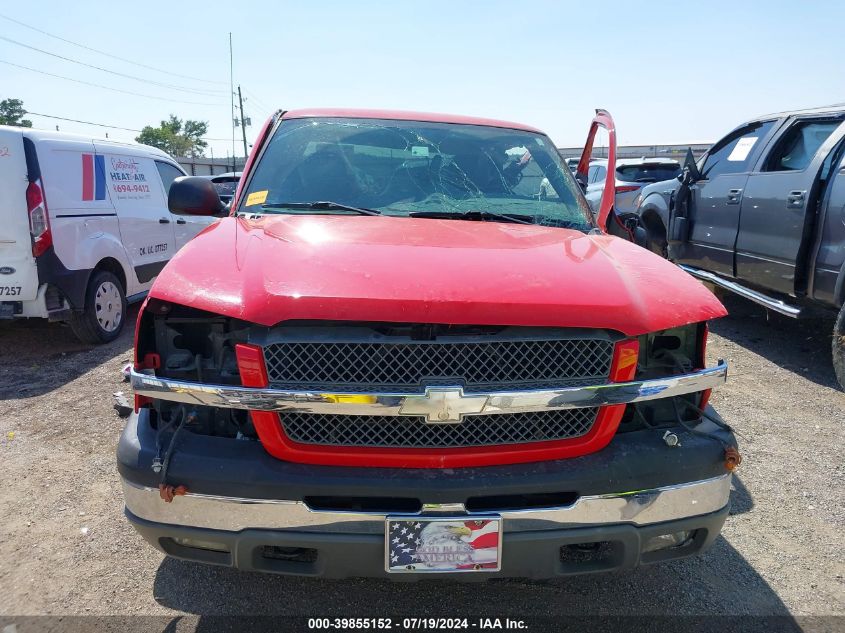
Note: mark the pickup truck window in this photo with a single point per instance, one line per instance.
(648, 172)
(732, 155)
(797, 147)
(401, 168)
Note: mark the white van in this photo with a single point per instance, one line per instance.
(84, 227)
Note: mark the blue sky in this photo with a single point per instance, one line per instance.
(667, 71)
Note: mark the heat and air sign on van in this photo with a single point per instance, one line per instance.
(128, 180)
(93, 177)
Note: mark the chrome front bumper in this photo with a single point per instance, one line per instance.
(638, 508)
(438, 404)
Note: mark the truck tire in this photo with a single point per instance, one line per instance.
(656, 241)
(658, 247)
(104, 313)
(839, 348)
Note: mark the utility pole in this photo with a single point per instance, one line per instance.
(243, 121)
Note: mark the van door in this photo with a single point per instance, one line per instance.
(146, 227)
(779, 204)
(716, 198)
(185, 226)
(18, 272)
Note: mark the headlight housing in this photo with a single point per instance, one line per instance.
(670, 352)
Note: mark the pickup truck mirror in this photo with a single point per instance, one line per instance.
(690, 167)
(190, 195)
(582, 182)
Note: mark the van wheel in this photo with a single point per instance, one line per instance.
(105, 310)
(839, 348)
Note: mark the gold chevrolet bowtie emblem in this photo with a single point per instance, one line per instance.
(443, 405)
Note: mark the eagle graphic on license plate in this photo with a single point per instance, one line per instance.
(421, 545)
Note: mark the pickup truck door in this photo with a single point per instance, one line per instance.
(716, 198)
(828, 259)
(779, 205)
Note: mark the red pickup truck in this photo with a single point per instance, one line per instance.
(396, 358)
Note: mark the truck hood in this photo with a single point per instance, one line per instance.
(396, 269)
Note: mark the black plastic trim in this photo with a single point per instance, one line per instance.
(71, 283)
(147, 272)
(534, 554)
(33, 169)
(634, 460)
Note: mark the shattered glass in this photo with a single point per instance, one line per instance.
(403, 168)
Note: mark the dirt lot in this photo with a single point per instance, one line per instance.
(66, 549)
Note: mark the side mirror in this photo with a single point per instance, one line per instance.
(190, 195)
(690, 168)
(582, 182)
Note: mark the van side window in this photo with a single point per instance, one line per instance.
(732, 155)
(598, 174)
(168, 174)
(797, 147)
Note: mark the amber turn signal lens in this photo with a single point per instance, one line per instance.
(732, 458)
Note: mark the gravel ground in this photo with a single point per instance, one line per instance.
(65, 547)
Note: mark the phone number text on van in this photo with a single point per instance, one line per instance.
(132, 188)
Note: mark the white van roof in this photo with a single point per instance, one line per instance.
(52, 135)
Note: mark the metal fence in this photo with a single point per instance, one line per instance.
(205, 166)
(677, 151)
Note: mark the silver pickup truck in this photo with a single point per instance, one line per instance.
(762, 214)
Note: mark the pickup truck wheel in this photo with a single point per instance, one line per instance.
(659, 247)
(839, 348)
(104, 314)
(656, 241)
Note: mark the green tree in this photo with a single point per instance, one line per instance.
(176, 137)
(12, 113)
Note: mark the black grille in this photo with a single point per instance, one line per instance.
(415, 432)
(410, 366)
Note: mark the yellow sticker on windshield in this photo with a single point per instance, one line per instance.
(256, 197)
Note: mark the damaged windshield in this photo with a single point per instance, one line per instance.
(416, 169)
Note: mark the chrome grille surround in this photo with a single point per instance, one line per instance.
(415, 432)
(407, 366)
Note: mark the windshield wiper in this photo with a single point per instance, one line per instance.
(474, 215)
(325, 205)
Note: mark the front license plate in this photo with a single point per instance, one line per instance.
(443, 544)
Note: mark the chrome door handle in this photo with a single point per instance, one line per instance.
(734, 196)
(795, 200)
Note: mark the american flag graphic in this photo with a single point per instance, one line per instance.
(452, 544)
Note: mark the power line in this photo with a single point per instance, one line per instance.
(113, 127)
(122, 59)
(88, 83)
(61, 118)
(256, 100)
(112, 72)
